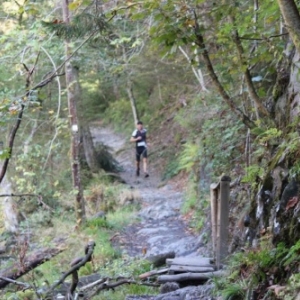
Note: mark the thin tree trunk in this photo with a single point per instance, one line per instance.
(248, 79)
(132, 99)
(73, 94)
(129, 88)
(291, 18)
(197, 72)
(10, 211)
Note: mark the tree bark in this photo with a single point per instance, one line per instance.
(73, 94)
(291, 18)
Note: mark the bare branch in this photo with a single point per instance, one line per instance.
(205, 55)
(107, 285)
(263, 38)
(11, 142)
(251, 89)
(88, 251)
(19, 195)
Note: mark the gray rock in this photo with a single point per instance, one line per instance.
(99, 215)
(169, 287)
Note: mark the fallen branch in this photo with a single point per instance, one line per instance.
(28, 264)
(107, 285)
(25, 285)
(76, 265)
(153, 272)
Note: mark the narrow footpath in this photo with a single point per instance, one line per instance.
(161, 228)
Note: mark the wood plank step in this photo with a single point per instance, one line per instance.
(189, 276)
(180, 269)
(190, 261)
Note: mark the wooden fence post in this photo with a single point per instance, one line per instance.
(223, 220)
(214, 195)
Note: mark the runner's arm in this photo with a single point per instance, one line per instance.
(134, 139)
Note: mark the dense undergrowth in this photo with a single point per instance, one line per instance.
(264, 272)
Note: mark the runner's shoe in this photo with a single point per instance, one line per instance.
(146, 175)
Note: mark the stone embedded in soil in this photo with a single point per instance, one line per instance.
(203, 292)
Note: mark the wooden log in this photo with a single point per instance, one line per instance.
(192, 269)
(29, 263)
(190, 261)
(189, 277)
(153, 272)
(160, 259)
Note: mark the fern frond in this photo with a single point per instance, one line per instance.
(233, 292)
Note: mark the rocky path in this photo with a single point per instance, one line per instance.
(161, 228)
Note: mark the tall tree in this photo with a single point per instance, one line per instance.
(73, 94)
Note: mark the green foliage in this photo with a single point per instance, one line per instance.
(171, 168)
(253, 173)
(97, 223)
(268, 135)
(189, 157)
(216, 140)
(233, 292)
(264, 266)
(117, 113)
(81, 25)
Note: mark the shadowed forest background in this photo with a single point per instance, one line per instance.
(216, 84)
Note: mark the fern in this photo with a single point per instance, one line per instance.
(292, 255)
(233, 292)
(189, 157)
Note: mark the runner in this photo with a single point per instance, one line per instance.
(139, 137)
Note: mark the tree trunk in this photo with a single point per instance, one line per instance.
(291, 18)
(9, 207)
(132, 99)
(73, 94)
(89, 149)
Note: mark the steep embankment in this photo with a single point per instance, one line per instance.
(161, 227)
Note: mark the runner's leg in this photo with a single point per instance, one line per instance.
(138, 159)
(145, 163)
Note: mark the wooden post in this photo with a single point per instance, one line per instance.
(214, 194)
(223, 220)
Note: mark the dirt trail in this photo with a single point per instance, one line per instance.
(161, 228)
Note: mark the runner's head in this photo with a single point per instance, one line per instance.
(139, 125)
